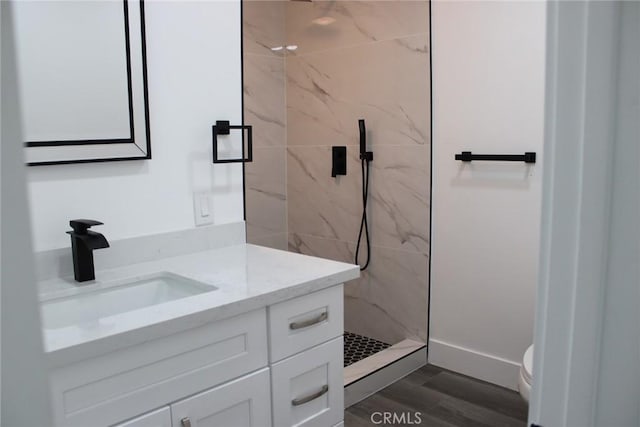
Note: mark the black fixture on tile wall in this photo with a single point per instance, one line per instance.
(338, 161)
(222, 127)
(366, 157)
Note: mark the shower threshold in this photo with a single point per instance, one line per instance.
(371, 365)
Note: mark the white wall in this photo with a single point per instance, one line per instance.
(488, 97)
(194, 64)
(24, 384)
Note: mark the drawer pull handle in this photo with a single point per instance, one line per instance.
(186, 422)
(317, 394)
(306, 323)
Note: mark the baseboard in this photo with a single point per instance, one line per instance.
(475, 364)
(378, 379)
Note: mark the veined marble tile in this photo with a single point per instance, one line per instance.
(355, 22)
(265, 185)
(398, 286)
(335, 250)
(386, 83)
(263, 26)
(275, 241)
(318, 204)
(398, 208)
(264, 99)
(389, 302)
(363, 318)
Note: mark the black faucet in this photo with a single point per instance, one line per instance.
(83, 242)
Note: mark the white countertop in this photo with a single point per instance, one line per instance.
(248, 277)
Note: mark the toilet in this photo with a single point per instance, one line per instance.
(524, 380)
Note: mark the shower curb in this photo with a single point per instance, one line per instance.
(374, 373)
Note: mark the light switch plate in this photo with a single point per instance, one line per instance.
(202, 212)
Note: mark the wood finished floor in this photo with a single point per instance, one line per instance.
(443, 398)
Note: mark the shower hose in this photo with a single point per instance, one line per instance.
(364, 226)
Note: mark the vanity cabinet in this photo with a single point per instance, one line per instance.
(301, 323)
(157, 418)
(308, 388)
(126, 383)
(222, 373)
(245, 402)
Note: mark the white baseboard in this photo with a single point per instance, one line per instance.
(473, 363)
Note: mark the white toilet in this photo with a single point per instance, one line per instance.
(524, 382)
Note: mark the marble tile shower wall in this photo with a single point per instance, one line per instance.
(372, 63)
(264, 108)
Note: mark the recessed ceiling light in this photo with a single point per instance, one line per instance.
(324, 20)
(292, 47)
(277, 48)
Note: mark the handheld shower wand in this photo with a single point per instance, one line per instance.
(365, 158)
(364, 154)
(363, 137)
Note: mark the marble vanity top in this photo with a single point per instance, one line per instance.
(247, 277)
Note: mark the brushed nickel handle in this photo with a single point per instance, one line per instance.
(306, 323)
(186, 422)
(302, 400)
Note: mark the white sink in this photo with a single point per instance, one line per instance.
(117, 298)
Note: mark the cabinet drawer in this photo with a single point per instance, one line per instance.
(122, 384)
(159, 418)
(244, 402)
(301, 323)
(307, 389)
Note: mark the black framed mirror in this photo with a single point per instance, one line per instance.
(82, 77)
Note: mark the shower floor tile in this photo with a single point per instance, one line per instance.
(358, 347)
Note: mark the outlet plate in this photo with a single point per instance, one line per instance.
(202, 208)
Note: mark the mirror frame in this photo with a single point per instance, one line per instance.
(138, 145)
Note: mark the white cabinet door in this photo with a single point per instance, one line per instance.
(158, 418)
(244, 402)
(308, 389)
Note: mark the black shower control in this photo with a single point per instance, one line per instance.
(339, 161)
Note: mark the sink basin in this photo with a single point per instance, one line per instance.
(117, 298)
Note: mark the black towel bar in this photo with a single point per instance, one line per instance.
(467, 156)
